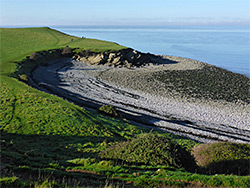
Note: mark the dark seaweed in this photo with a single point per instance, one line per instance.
(209, 82)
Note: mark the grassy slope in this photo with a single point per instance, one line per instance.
(42, 135)
(17, 43)
(25, 107)
(26, 112)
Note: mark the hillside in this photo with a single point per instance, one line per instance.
(49, 142)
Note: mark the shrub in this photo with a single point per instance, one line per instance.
(24, 77)
(85, 53)
(33, 56)
(12, 182)
(150, 149)
(223, 158)
(109, 110)
(67, 51)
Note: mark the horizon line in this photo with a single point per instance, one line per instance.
(125, 25)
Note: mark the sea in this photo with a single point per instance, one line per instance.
(227, 47)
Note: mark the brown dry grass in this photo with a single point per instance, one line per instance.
(223, 158)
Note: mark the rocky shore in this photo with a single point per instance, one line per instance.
(154, 91)
(127, 58)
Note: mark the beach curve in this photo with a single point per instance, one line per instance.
(95, 85)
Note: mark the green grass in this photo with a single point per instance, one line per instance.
(49, 142)
(18, 43)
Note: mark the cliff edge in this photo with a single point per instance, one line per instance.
(123, 58)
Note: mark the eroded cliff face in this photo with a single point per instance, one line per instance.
(122, 58)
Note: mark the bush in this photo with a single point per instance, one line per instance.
(24, 77)
(223, 158)
(33, 56)
(12, 182)
(109, 110)
(150, 149)
(67, 51)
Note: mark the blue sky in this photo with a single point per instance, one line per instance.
(123, 12)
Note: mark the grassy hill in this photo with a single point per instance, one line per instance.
(49, 142)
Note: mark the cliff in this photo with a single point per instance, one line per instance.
(122, 58)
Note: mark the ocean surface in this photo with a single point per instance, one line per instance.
(224, 46)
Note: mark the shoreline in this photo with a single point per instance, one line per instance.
(89, 85)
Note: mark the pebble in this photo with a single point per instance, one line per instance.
(131, 90)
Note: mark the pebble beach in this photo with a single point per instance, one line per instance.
(145, 100)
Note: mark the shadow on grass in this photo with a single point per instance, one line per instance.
(239, 167)
(44, 158)
(52, 147)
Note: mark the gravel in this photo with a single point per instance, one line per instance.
(145, 100)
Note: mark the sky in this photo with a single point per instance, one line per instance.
(124, 12)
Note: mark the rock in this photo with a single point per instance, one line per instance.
(104, 57)
(109, 64)
(122, 58)
(116, 60)
(111, 56)
(129, 56)
(84, 59)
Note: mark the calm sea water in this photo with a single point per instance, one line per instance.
(224, 46)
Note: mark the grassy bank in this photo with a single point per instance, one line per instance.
(49, 142)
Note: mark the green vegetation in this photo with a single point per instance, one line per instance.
(12, 182)
(150, 149)
(109, 110)
(49, 142)
(67, 51)
(18, 43)
(226, 158)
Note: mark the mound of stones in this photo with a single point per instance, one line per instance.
(122, 58)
